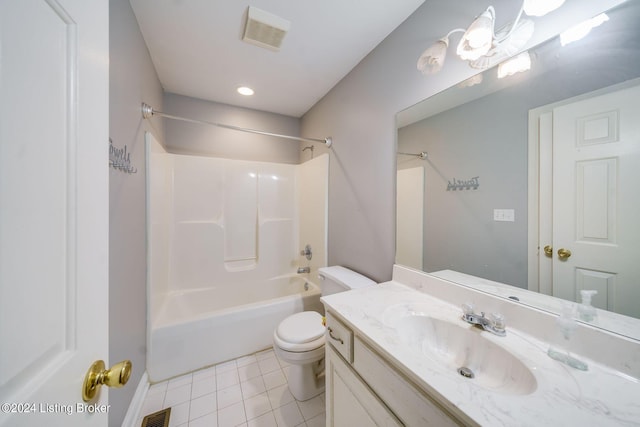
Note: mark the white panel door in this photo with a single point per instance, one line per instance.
(54, 65)
(596, 200)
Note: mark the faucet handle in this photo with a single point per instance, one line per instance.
(467, 308)
(497, 321)
(306, 252)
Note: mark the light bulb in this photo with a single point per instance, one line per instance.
(515, 65)
(432, 59)
(245, 90)
(581, 30)
(478, 38)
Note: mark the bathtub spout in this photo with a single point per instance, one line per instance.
(303, 270)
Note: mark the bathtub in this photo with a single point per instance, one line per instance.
(198, 328)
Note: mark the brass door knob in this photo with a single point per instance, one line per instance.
(564, 253)
(97, 375)
(548, 250)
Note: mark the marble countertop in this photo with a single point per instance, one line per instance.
(563, 395)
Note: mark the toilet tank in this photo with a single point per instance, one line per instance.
(339, 279)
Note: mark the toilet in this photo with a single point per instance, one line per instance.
(299, 339)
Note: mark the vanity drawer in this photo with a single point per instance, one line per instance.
(340, 337)
(406, 401)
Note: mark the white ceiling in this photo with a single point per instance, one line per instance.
(197, 50)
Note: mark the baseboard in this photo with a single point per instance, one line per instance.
(133, 413)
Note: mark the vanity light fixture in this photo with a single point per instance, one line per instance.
(514, 65)
(483, 47)
(245, 90)
(541, 7)
(581, 30)
(432, 59)
(478, 38)
(471, 81)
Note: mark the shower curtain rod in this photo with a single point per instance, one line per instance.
(423, 154)
(148, 111)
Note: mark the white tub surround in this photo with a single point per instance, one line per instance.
(217, 222)
(224, 241)
(537, 390)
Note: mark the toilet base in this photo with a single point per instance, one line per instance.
(306, 365)
(306, 381)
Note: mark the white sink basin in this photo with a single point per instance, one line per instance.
(465, 351)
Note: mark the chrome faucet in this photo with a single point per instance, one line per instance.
(493, 323)
(303, 270)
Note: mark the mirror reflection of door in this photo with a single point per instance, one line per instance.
(589, 210)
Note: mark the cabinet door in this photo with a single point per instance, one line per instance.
(349, 401)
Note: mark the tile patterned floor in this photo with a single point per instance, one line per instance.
(250, 391)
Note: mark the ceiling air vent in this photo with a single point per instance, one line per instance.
(265, 29)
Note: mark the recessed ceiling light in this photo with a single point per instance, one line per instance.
(246, 91)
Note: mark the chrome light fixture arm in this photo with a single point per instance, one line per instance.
(496, 40)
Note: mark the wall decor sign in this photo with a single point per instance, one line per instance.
(460, 184)
(120, 158)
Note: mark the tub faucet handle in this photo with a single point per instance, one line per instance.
(306, 252)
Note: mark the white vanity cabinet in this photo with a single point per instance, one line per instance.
(394, 352)
(363, 389)
(350, 402)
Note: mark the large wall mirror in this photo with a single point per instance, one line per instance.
(533, 180)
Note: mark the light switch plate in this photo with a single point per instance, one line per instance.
(507, 215)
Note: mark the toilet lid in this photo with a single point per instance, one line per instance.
(301, 328)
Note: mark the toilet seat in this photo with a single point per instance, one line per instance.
(300, 332)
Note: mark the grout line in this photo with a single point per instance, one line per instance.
(180, 392)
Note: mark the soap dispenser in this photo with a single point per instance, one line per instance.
(566, 325)
(586, 311)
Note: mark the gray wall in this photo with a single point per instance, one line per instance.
(132, 79)
(459, 231)
(190, 138)
(359, 113)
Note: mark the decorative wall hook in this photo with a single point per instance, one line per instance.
(120, 159)
(459, 184)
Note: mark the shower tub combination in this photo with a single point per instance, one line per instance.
(200, 328)
(220, 271)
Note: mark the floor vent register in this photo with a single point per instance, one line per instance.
(157, 419)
